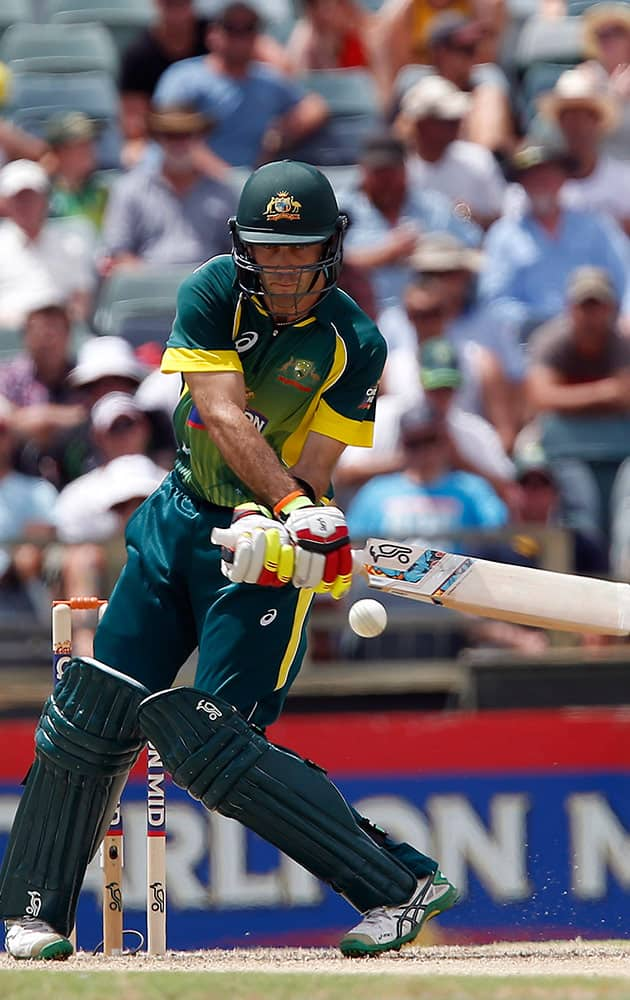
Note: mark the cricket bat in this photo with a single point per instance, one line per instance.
(502, 591)
(518, 594)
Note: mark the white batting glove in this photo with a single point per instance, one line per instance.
(262, 552)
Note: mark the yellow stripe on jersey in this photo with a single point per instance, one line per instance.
(183, 359)
(303, 604)
(292, 448)
(237, 317)
(330, 423)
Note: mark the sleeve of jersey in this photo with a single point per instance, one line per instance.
(346, 409)
(201, 337)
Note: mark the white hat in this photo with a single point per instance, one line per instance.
(129, 476)
(103, 356)
(445, 252)
(576, 88)
(107, 409)
(435, 97)
(22, 175)
(598, 16)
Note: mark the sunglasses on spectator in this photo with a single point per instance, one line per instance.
(121, 425)
(466, 48)
(240, 30)
(419, 315)
(611, 32)
(420, 441)
(591, 303)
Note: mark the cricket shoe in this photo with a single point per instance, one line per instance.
(388, 928)
(29, 938)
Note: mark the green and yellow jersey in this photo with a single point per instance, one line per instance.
(320, 374)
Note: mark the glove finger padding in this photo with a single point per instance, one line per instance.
(309, 568)
(262, 554)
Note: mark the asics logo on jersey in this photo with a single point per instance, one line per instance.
(269, 617)
(245, 341)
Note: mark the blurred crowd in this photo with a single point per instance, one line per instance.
(481, 150)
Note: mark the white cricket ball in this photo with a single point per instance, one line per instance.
(367, 618)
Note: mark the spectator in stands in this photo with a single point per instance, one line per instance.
(475, 446)
(34, 252)
(104, 365)
(580, 360)
(584, 114)
(542, 505)
(481, 384)
(177, 32)
(168, 213)
(607, 46)
(457, 266)
(331, 34)
(35, 381)
(579, 387)
(389, 216)
(529, 256)
(71, 164)
(259, 115)
(86, 514)
(454, 45)
(428, 498)
(27, 506)
(405, 28)
(467, 173)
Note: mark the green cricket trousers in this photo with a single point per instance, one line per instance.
(172, 597)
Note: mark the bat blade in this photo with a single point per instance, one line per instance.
(506, 592)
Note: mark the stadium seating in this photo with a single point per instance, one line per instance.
(37, 96)
(549, 41)
(138, 305)
(538, 78)
(12, 11)
(58, 48)
(352, 97)
(123, 18)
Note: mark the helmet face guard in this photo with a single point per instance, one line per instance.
(251, 275)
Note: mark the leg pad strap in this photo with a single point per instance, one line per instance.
(212, 752)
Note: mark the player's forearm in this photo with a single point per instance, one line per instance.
(248, 454)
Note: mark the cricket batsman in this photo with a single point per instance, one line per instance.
(279, 371)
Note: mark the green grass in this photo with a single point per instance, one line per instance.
(54, 984)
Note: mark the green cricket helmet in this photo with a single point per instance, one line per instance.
(287, 202)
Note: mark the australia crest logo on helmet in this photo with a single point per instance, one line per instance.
(283, 206)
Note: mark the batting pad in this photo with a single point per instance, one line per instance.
(212, 752)
(86, 742)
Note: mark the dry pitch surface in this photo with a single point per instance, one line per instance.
(571, 970)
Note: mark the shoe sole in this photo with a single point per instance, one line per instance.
(56, 951)
(355, 948)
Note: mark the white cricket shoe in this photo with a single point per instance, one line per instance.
(387, 928)
(29, 938)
